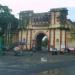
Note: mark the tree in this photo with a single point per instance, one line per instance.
(24, 18)
(7, 20)
(8, 24)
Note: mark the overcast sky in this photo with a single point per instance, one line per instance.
(39, 5)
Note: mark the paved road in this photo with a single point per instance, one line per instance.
(32, 70)
(12, 65)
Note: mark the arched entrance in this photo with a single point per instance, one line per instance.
(40, 38)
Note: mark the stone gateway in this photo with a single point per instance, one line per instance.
(52, 24)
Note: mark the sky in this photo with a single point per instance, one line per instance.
(40, 6)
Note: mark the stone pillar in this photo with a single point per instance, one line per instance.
(54, 38)
(30, 39)
(49, 40)
(60, 38)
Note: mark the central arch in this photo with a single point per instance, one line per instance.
(39, 39)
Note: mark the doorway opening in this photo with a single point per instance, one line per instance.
(41, 42)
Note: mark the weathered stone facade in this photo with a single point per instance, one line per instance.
(52, 24)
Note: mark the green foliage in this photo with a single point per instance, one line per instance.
(7, 18)
(4, 9)
(24, 19)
